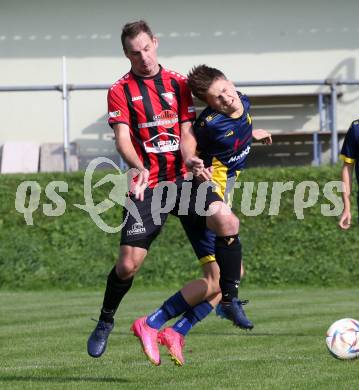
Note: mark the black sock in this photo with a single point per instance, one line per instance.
(229, 256)
(116, 289)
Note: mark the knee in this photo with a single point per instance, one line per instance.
(126, 267)
(225, 225)
(229, 226)
(233, 224)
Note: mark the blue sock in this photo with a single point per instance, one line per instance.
(173, 307)
(191, 317)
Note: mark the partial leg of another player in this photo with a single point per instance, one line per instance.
(195, 301)
(228, 252)
(173, 338)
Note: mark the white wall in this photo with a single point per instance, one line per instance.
(249, 40)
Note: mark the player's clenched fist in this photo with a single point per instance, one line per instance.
(195, 165)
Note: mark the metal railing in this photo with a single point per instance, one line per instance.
(330, 86)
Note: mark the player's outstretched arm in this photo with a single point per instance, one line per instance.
(347, 174)
(262, 135)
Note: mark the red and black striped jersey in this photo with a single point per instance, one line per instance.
(153, 108)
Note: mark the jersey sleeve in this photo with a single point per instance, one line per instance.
(187, 111)
(117, 106)
(350, 148)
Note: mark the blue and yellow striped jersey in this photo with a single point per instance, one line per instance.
(350, 148)
(224, 143)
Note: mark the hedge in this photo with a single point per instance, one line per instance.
(70, 251)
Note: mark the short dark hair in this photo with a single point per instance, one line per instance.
(200, 79)
(132, 29)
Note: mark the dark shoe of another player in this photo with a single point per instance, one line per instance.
(96, 344)
(234, 312)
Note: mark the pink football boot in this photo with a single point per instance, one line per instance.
(148, 338)
(174, 342)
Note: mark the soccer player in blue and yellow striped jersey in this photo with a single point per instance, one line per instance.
(222, 136)
(223, 143)
(223, 131)
(350, 155)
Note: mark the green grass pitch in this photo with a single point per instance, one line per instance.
(43, 343)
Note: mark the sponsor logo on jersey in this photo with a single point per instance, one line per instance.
(238, 143)
(169, 97)
(114, 114)
(211, 116)
(229, 133)
(166, 118)
(136, 98)
(240, 156)
(158, 145)
(137, 228)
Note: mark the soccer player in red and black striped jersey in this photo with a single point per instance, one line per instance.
(151, 113)
(150, 110)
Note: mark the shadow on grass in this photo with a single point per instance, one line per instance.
(61, 379)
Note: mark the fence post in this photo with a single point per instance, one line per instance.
(65, 98)
(334, 129)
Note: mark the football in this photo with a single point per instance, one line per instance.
(343, 339)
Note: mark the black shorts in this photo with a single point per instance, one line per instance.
(143, 226)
